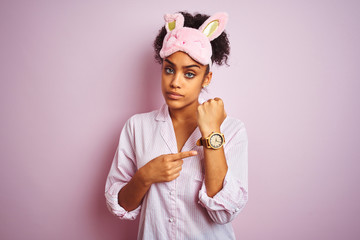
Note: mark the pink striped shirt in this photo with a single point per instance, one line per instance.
(179, 209)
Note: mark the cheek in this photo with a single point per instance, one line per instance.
(163, 79)
(198, 84)
(162, 85)
(195, 88)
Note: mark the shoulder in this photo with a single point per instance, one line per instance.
(141, 119)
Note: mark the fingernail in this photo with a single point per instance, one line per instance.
(194, 152)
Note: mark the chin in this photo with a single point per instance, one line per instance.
(174, 104)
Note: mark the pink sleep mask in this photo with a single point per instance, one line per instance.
(194, 42)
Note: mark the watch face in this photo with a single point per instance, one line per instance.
(216, 140)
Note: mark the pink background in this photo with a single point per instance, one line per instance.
(72, 72)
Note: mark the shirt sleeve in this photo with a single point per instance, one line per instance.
(121, 171)
(232, 198)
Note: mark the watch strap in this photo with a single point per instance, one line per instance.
(202, 142)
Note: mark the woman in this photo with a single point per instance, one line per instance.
(173, 165)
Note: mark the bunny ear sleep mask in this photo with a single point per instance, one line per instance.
(194, 42)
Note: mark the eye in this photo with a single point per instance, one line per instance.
(189, 75)
(169, 70)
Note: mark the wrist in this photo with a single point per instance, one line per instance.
(207, 131)
(143, 177)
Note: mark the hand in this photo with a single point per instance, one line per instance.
(210, 116)
(164, 168)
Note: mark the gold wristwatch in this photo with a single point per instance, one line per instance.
(215, 141)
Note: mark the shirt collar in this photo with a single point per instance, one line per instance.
(163, 113)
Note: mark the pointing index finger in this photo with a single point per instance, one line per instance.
(182, 155)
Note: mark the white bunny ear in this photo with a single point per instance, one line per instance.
(173, 21)
(214, 25)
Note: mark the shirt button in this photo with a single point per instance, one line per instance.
(171, 220)
(237, 209)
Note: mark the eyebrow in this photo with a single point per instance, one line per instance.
(190, 66)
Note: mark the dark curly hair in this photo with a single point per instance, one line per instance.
(220, 45)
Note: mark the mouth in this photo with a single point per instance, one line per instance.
(174, 95)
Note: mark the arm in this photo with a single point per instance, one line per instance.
(131, 195)
(126, 186)
(225, 193)
(215, 168)
(122, 170)
(164, 168)
(211, 114)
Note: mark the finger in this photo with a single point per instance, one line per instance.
(171, 172)
(201, 108)
(182, 155)
(174, 176)
(219, 100)
(176, 163)
(175, 170)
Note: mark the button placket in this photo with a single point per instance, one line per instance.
(172, 217)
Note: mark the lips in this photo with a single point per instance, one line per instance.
(174, 95)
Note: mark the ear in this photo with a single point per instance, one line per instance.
(173, 21)
(207, 79)
(214, 25)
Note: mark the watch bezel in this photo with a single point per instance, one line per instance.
(211, 136)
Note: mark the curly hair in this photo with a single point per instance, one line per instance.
(220, 45)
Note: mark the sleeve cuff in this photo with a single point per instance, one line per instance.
(114, 207)
(231, 198)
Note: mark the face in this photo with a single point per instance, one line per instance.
(216, 140)
(182, 80)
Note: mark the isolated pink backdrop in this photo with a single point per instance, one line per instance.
(72, 72)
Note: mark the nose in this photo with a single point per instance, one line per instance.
(176, 81)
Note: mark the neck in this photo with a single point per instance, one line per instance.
(185, 114)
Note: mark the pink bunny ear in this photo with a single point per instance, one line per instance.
(214, 25)
(173, 21)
